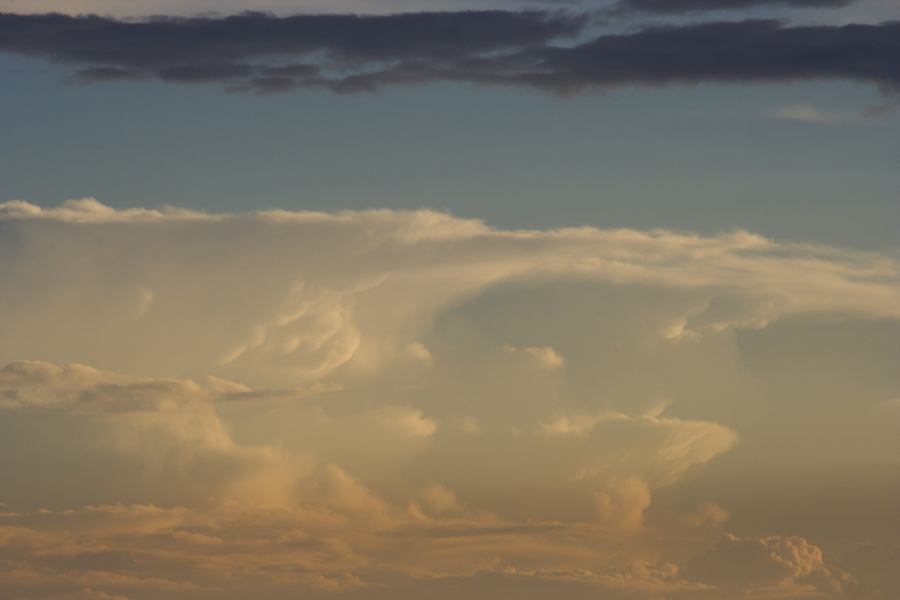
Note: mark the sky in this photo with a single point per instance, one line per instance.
(409, 299)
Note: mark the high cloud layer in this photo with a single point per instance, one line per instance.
(392, 404)
(552, 51)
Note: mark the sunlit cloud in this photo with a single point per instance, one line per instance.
(387, 403)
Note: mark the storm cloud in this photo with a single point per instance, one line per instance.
(290, 404)
(551, 51)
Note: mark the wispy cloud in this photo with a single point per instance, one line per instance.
(806, 113)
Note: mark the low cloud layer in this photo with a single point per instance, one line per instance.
(389, 404)
(551, 51)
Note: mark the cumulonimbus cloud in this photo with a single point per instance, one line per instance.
(386, 402)
(537, 49)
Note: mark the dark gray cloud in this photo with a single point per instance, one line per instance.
(264, 53)
(691, 6)
(262, 50)
(746, 51)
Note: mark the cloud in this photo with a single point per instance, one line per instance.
(804, 113)
(693, 6)
(295, 551)
(239, 310)
(727, 52)
(770, 567)
(345, 53)
(892, 404)
(167, 441)
(199, 502)
(260, 51)
(159, 440)
(407, 421)
(881, 110)
(545, 356)
(419, 352)
(87, 210)
(427, 405)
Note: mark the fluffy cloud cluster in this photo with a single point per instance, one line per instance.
(772, 566)
(397, 404)
(197, 503)
(165, 441)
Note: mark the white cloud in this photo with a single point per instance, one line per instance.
(279, 299)
(90, 210)
(418, 351)
(545, 356)
(406, 421)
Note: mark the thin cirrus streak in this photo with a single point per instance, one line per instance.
(390, 404)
